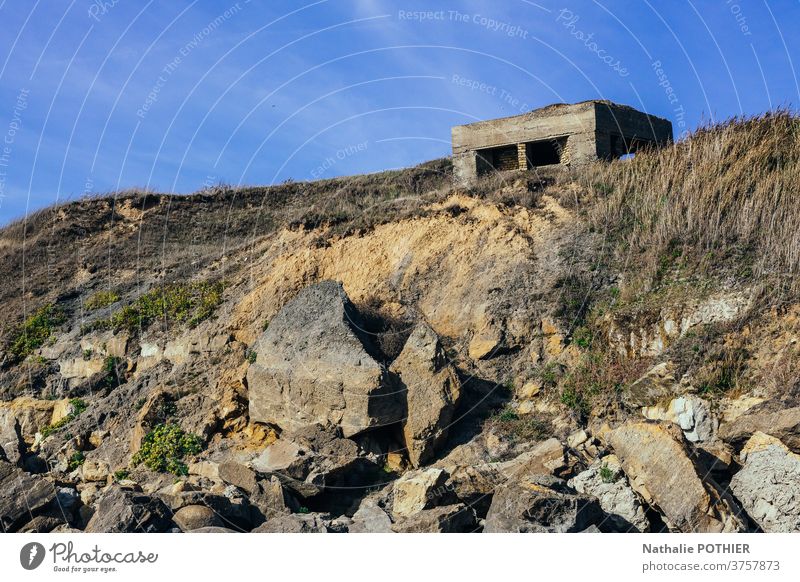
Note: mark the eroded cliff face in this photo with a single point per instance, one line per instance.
(457, 366)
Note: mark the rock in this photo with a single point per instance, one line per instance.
(22, 418)
(689, 412)
(432, 391)
(370, 518)
(484, 343)
(604, 479)
(417, 490)
(237, 474)
(192, 517)
(119, 511)
(768, 485)
(656, 384)
(42, 524)
(294, 523)
(80, 368)
(313, 365)
(22, 496)
(657, 462)
(270, 498)
(94, 470)
(207, 469)
(474, 485)
(547, 457)
(576, 439)
(311, 460)
(212, 529)
(543, 504)
(106, 343)
(770, 418)
(447, 519)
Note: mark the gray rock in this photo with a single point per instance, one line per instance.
(432, 392)
(542, 504)
(456, 518)
(689, 412)
(370, 518)
(212, 529)
(22, 496)
(313, 365)
(768, 485)
(119, 511)
(604, 479)
(192, 517)
(294, 523)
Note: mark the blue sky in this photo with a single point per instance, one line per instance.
(97, 96)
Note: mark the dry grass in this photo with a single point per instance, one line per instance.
(728, 192)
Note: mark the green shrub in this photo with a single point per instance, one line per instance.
(76, 460)
(77, 406)
(607, 474)
(251, 356)
(121, 475)
(164, 448)
(111, 378)
(179, 303)
(34, 331)
(101, 299)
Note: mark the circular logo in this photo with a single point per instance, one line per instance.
(31, 555)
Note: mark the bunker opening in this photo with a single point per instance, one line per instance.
(545, 152)
(499, 159)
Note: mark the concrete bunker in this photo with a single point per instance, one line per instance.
(559, 134)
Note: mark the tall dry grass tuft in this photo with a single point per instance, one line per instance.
(730, 189)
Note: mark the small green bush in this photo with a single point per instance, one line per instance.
(111, 378)
(251, 356)
(607, 474)
(121, 475)
(77, 406)
(34, 331)
(101, 299)
(76, 460)
(164, 448)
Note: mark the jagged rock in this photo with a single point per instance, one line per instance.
(192, 517)
(310, 460)
(541, 504)
(658, 464)
(417, 490)
(770, 418)
(313, 366)
(22, 496)
(22, 418)
(768, 485)
(370, 518)
(295, 523)
(604, 479)
(474, 485)
(212, 529)
(230, 505)
(656, 384)
(42, 524)
(239, 475)
(432, 390)
(446, 519)
(120, 511)
(690, 412)
(547, 457)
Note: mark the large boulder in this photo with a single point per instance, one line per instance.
(768, 485)
(604, 480)
(655, 457)
(432, 392)
(370, 518)
(192, 517)
(22, 418)
(314, 365)
(295, 523)
(22, 496)
(770, 418)
(543, 504)
(120, 511)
